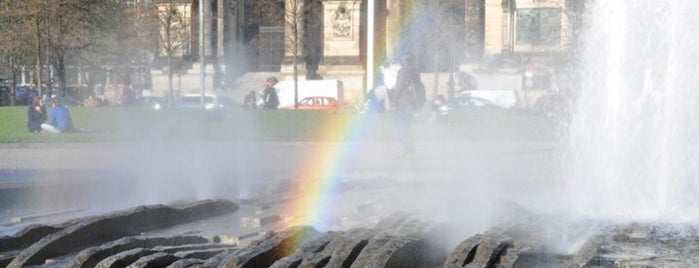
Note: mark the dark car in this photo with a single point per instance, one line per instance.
(4, 95)
(24, 95)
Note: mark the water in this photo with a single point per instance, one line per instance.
(634, 135)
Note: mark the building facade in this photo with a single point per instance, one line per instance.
(331, 35)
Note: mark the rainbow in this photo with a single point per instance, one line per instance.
(321, 181)
(321, 178)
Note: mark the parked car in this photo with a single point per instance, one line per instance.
(151, 101)
(24, 95)
(194, 101)
(315, 103)
(470, 102)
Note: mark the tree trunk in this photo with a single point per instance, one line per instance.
(170, 73)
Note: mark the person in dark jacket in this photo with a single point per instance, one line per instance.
(269, 95)
(36, 115)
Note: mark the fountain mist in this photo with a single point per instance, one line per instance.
(633, 137)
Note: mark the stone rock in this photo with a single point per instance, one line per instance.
(464, 253)
(101, 229)
(193, 247)
(312, 247)
(125, 258)
(27, 236)
(409, 245)
(344, 248)
(490, 251)
(271, 248)
(199, 254)
(184, 263)
(91, 256)
(159, 259)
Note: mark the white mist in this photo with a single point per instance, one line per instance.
(634, 136)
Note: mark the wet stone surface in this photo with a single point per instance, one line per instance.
(396, 240)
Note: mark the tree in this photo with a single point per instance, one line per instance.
(45, 32)
(294, 11)
(174, 37)
(291, 14)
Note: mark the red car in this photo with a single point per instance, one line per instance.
(316, 103)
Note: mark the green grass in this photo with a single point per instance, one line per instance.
(144, 124)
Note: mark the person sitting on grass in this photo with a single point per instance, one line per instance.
(59, 118)
(36, 115)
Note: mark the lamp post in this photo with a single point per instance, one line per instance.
(202, 63)
(452, 51)
(371, 10)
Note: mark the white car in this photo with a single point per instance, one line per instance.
(194, 101)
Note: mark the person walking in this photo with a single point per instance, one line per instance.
(269, 94)
(59, 119)
(36, 115)
(408, 98)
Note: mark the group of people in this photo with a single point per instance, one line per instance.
(270, 99)
(98, 101)
(57, 121)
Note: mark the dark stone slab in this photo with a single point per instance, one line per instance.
(218, 258)
(541, 260)
(344, 248)
(155, 260)
(464, 253)
(271, 248)
(199, 254)
(185, 263)
(27, 236)
(490, 250)
(125, 258)
(193, 247)
(101, 229)
(409, 245)
(91, 256)
(308, 250)
(5, 260)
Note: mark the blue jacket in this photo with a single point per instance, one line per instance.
(60, 118)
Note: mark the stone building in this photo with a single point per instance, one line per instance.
(333, 34)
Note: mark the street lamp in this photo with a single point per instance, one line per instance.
(202, 66)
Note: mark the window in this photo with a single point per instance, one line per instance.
(539, 26)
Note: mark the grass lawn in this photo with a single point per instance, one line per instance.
(145, 124)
